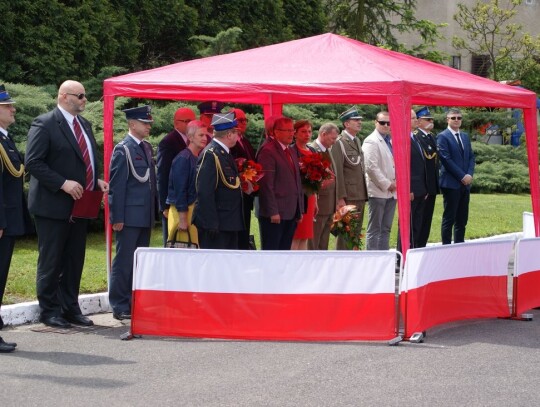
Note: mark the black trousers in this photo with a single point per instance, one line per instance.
(220, 240)
(277, 236)
(455, 215)
(7, 243)
(429, 208)
(62, 246)
(417, 214)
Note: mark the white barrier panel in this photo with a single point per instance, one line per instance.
(528, 225)
(527, 275)
(454, 282)
(280, 295)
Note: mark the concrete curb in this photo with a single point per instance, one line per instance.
(26, 312)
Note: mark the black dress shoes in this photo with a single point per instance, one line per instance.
(8, 343)
(78, 320)
(5, 347)
(56, 322)
(121, 315)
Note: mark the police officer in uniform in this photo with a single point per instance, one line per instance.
(14, 216)
(132, 203)
(218, 209)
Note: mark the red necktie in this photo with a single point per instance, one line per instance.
(85, 153)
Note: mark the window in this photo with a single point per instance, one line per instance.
(531, 2)
(480, 65)
(455, 62)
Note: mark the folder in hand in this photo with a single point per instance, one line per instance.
(87, 207)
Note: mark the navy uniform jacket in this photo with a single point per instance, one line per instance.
(429, 145)
(455, 165)
(131, 201)
(14, 217)
(218, 207)
(418, 170)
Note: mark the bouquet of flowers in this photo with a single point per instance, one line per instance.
(347, 225)
(250, 173)
(314, 169)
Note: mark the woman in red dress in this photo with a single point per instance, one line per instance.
(304, 229)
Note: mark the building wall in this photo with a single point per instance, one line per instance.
(442, 11)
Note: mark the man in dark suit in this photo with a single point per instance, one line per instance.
(168, 148)
(132, 204)
(244, 149)
(457, 159)
(14, 216)
(61, 157)
(218, 208)
(281, 199)
(207, 111)
(418, 188)
(327, 197)
(431, 159)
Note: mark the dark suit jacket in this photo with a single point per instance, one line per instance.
(130, 201)
(14, 216)
(53, 156)
(168, 148)
(218, 207)
(280, 188)
(455, 165)
(418, 169)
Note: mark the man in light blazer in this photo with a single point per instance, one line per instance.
(281, 199)
(59, 174)
(350, 168)
(132, 202)
(381, 183)
(457, 169)
(327, 197)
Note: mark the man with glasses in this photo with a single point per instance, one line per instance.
(62, 159)
(381, 183)
(427, 141)
(244, 149)
(350, 168)
(168, 148)
(281, 199)
(218, 209)
(457, 169)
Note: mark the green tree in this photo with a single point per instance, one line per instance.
(489, 30)
(377, 22)
(223, 43)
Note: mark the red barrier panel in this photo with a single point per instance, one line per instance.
(455, 282)
(264, 295)
(526, 275)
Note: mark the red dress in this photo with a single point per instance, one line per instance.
(304, 229)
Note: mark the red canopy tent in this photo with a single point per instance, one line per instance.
(330, 68)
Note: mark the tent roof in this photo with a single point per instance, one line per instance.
(298, 72)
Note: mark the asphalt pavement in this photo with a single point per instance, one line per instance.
(491, 362)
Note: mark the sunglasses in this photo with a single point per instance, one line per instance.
(455, 118)
(383, 123)
(79, 96)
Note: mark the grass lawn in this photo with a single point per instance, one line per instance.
(489, 215)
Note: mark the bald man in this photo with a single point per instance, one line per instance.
(168, 148)
(62, 159)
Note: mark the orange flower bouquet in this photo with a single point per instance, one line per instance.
(314, 169)
(347, 225)
(250, 173)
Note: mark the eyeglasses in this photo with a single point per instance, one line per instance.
(455, 118)
(79, 96)
(241, 120)
(287, 130)
(183, 120)
(383, 123)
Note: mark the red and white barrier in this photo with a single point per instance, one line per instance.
(526, 275)
(293, 295)
(455, 282)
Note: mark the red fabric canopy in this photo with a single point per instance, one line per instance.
(330, 68)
